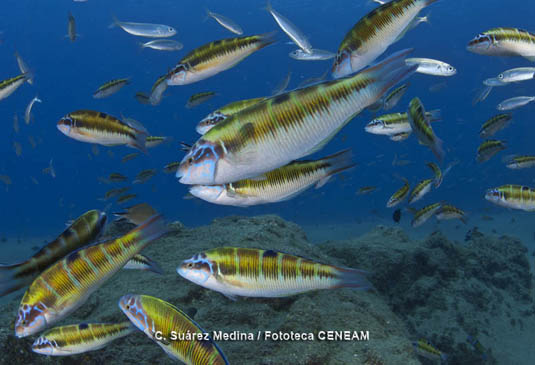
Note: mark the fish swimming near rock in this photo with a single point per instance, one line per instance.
(425, 349)
(67, 284)
(286, 127)
(154, 316)
(396, 216)
(250, 272)
(278, 185)
(100, 128)
(79, 338)
(448, 211)
(84, 230)
(215, 57)
(422, 215)
(420, 190)
(399, 196)
(136, 214)
(513, 197)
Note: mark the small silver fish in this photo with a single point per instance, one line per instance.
(517, 74)
(163, 45)
(482, 95)
(432, 67)
(145, 29)
(314, 55)
(225, 22)
(494, 81)
(515, 102)
(28, 112)
(290, 29)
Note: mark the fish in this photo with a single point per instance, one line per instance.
(250, 142)
(143, 98)
(68, 283)
(420, 190)
(366, 190)
(521, 162)
(482, 95)
(477, 346)
(18, 148)
(116, 177)
(517, 74)
(399, 196)
(16, 127)
(504, 42)
(282, 85)
(110, 88)
(144, 263)
(125, 198)
(294, 33)
(215, 57)
(278, 185)
(84, 230)
(374, 33)
(115, 192)
(423, 130)
(144, 176)
(494, 82)
(439, 177)
(199, 98)
(251, 272)
(144, 29)
(23, 67)
(223, 113)
(396, 216)
(432, 67)
(154, 316)
(153, 141)
(8, 86)
(156, 93)
(513, 197)
(71, 28)
(313, 55)
(129, 157)
(100, 128)
(448, 211)
(225, 22)
(488, 149)
(392, 99)
(32, 142)
(421, 216)
(171, 168)
(50, 170)
(425, 349)
(397, 123)
(163, 45)
(79, 338)
(514, 103)
(136, 214)
(495, 124)
(438, 87)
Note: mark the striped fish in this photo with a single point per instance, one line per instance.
(439, 177)
(199, 98)
(495, 124)
(215, 57)
(66, 285)
(392, 99)
(79, 338)
(399, 195)
(81, 232)
(278, 185)
(422, 128)
(512, 196)
(7, 87)
(421, 216)
(96, 127)
(420, 190)
(286, 127)
(251, 272)
(156, 93)
(504, 42)
(521, 162)
(223, 113)
(396, 123)
(71, 27)
(374, 33)
(448, 211)
(156, 317)
(153, 141)
(110, 88)
(488, 149)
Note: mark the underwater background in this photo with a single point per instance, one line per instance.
(35, 206)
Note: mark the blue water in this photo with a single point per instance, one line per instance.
(68, 73)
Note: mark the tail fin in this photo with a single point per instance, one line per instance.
(207, 16)
(115, 22)
(353, 278)
(267, 39)
(438, 149)
(139, 142)
(10, 280)
(338, 162)
(388, 72)
(434, 116)
(150, 230)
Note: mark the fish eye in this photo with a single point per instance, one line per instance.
(189, 161)
(171, 29)
(500, 76)
(450, 68)
(189, 265)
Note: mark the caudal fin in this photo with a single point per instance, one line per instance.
(353, 278)
(438, 149)
(10, 281)
(337, 162)
(150, 230)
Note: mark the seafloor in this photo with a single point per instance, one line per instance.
(432, 288)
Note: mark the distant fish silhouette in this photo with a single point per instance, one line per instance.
(397, 215)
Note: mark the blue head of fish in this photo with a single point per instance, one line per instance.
(342, 64)
(199, 166)
(31, 319)
(495, 196)
(132, 307)
(480, 43)
(197, 269)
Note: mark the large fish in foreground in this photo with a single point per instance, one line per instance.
(504, 42)
(66, 285)
(80, 233)
(286, 127)
(215, 57)
(96, 127)
(251, 272)
(512, 196)
(374, 33)
(278, 185)
(181, 337)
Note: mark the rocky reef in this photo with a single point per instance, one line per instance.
(435, 288)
